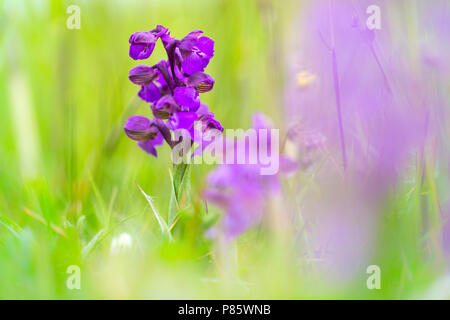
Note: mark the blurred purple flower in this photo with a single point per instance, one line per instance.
(241, 191)
(388, 100)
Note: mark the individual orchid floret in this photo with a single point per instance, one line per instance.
(140, 128)
(165, 107)
(207, 122)
(142, 44)
(196, 52)
(201, 81)
(206, 127)
(152, 81)
(144, 131)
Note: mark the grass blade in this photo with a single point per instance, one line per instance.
(162, 223)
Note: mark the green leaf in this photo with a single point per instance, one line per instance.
(180, 183)
(173, 204)
(87, 249)
(162, 223)
(179, 179)
(10, 226)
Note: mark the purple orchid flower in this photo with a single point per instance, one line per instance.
(196, 52)
(241, 191)
(165, 107)
(145, 132)
(142, 43)
(152, 82)
(172, 86)
(205, 128)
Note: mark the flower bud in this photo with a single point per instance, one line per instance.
(142, 44)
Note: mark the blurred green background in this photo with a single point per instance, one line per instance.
(65, 96)
(68, 174)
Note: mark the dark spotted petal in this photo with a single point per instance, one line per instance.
(142, 75)
(201, 81)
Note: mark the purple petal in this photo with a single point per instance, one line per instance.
(140, 128)
(142, 37)
(148, 147)
(167, 40)
(193, 63)
(139, 51)
(165, 107)
(141, 45)
(203, 110)
(187, 97)
(159, 31)
(288, 166)
(149, 93)
(183, 120)
(195, 33)
(188, 43)
(142, 75)
(260, 121)
(201, 81)
(206, 45)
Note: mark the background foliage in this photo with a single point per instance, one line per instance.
(68, 174)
